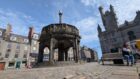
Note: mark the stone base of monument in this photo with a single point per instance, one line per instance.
(57, 64)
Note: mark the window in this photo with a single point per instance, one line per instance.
(24, 62)
(131, 35)
(0, 33)
(26, 41)
(35, 36)
(25, 54)
(18, 46)
(9, 46)
(34, 48)
(16, 55)
(25, 48)
(35, 42)
(13, 38)
(7, 53)
(11, 64)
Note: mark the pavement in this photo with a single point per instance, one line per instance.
(83, 71)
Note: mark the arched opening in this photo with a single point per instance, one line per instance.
(70, 54)
(63, 45)
(56, 54)
(131, 35)
(46, 54)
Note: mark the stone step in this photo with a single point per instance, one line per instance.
(59, 63)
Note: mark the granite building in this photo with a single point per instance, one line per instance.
(15, 49)
(116, 35)
(88, 54)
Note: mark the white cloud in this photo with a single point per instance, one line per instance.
(125, 9)
(87, 2)
(19, 21)
(87, 29)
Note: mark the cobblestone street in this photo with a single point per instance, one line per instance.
(84, 71)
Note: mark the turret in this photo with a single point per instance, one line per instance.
(102, 14)
(109, 19)
(99, 29)
(137, 18)
(101, 10)
(111, 9)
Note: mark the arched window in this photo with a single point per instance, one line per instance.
(131, 35)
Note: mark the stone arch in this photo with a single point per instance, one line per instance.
(46, 54)
(61, 40)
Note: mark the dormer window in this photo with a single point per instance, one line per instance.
(13, 38)
(35, 36)
(25, 40)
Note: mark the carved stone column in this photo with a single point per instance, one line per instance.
(51, 55)
(76, 49)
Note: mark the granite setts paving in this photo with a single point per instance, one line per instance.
(84, 71)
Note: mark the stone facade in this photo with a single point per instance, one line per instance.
(116, 35)
(16, 48)
(88, 54)
(60, 37)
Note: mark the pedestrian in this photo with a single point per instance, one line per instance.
(127, 54)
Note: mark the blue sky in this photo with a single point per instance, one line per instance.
(84, 14)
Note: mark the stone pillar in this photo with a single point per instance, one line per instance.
(76, 49)
(51, 54)
(74, 52)
(41, 51)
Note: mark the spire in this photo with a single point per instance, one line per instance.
(60, 16)
(102, 14)
(137, 17)
(126, 22)
(99, 28)
(101, 10)
(111, 8)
